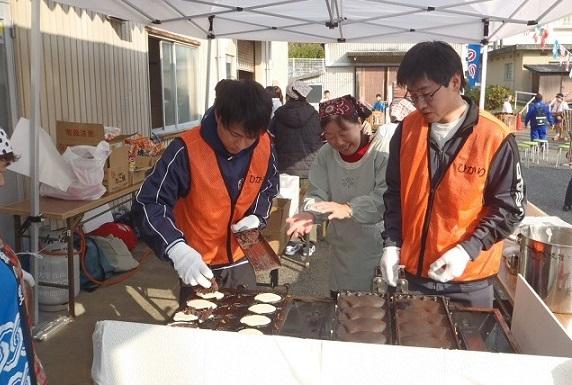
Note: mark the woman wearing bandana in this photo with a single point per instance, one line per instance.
(347, 182)
(18, 363)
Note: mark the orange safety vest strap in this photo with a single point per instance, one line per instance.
(206, 213)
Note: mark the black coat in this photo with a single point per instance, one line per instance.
(297, 135)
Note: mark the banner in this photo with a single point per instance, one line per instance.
(474, 65)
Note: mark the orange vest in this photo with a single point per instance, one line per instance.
(206, 213)
(436, 219)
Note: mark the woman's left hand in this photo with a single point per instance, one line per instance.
(336, 210)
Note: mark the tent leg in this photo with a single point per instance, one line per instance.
(209, 54)
(35, 89)
(484, 59)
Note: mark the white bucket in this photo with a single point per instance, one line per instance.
(53, 268)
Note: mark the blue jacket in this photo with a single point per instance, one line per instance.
(531, 114)
(170, 180)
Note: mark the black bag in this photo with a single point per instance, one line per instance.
(541, 119)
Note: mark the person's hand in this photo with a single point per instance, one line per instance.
(450, 265)
(300, 224)
(247, 223)
(336, 210)
(190, 266)
(389, 264)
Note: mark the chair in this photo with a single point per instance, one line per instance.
(525, 148)
(561, 147)
(533, 149)
(542, 146)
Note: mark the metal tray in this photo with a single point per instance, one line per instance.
(483, 330)
(436, 329)
(341, 320)
(232, 307)
(308, 317)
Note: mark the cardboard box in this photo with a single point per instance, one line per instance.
(136, 177)
(275, 231)
(116, 173)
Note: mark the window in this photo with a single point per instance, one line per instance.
(230, 71)
(508, 71)
(179, 93)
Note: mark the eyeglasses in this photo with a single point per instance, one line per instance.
(423, 97)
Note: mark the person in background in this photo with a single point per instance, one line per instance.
(454, 184)
(398, 110)
(557, 108)
(326, 96)
(506, 105)
(379, 105)
(18, 361)
(213, 180)
(277, 99)
(347, 181)
(297, 132)
(540, 118)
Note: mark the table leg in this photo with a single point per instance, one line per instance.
(17, 233)
(71, 270)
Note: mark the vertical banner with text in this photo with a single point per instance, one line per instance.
(474, 65)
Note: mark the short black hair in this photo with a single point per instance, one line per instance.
(538, 97)
(9, 157)
(327, 91)
(435, 60)
(560, 95)
(376, 95)
(243, 101)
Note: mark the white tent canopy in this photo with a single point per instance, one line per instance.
(455, 21)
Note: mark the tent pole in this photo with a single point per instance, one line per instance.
(484, 59)
(35, 88)
(207, 94)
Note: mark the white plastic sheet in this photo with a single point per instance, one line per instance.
(54, 171)
(138, 354)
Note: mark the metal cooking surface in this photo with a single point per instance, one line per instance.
(363, 317)
(232, 307)
(309, 318)
(483, 330)
(424, 321)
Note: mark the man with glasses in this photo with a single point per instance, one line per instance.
(455, 188)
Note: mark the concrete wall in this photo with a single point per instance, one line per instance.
(271, 64)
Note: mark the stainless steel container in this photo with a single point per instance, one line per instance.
(546, 263)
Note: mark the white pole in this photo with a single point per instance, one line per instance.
(35, 88)
(207, 93)
(484, 59)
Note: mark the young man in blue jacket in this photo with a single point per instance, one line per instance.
(540, 119)
(213, 180)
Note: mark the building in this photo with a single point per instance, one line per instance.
(100, 69)
(517, 67)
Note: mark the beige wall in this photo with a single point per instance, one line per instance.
(522, 78)
(275, 72)
(93, 71)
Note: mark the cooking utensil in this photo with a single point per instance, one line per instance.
(258, 252)
(546, 263)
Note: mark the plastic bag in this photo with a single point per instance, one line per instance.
(87, 164)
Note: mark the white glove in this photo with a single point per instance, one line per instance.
(450, 265)
(190, 266)
(389, 264)
(247, 223)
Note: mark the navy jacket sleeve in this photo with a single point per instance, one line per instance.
(155, 200)
(263, 203)
(392, 197)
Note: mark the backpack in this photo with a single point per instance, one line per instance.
(541, 119)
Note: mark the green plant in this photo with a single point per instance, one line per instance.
(494, 96)
(306, 50)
